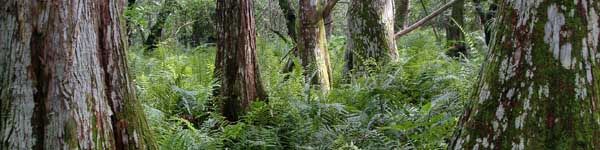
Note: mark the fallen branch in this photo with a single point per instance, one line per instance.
(424, 20)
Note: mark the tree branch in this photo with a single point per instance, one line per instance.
(424, 20)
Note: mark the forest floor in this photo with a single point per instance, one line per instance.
(413, 104)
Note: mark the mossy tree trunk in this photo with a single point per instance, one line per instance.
(312, 43)
(371, 35)
(402, 14)
(236, 61)
(157, 29)
(64, 81)
(540, 85)
(454, 35)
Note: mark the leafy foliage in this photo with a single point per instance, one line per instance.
(412, 104)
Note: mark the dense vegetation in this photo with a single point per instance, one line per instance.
(414, 103)
(305, 74)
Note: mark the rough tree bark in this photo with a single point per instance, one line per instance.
(402, 13)
(371, 35)
(312, 42)
(236, 61)
(540, 87)
(157, 29)
(64, 81)
(454, 35)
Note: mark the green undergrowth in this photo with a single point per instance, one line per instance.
(412, 104)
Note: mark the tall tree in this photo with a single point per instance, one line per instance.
(64, 81)
(539, 87)
(236, 61)
(454, 34)
(371, 35)
(402, 13)
(157, 29)
(312, 41)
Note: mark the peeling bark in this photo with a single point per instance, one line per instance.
(371, 35)
(540, 85)
(237, 63)
(64, 81)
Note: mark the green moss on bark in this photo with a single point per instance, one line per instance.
(534, 92)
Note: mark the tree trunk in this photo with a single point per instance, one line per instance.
(371, 35)
(237, 63)
(157, 29)
(64, 81)
(402, 13)
(312, 44)
(454, 35)
(540, 85)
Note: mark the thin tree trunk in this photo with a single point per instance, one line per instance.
(454, 35)
(371, 35)
(64, 81)
(312, 43)
(237, 63)
(402, 13)
(157, 29)
(540, 85)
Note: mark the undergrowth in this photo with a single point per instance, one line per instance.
(413, 104)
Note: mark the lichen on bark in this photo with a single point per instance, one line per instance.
(539, 86)
(371, 35)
